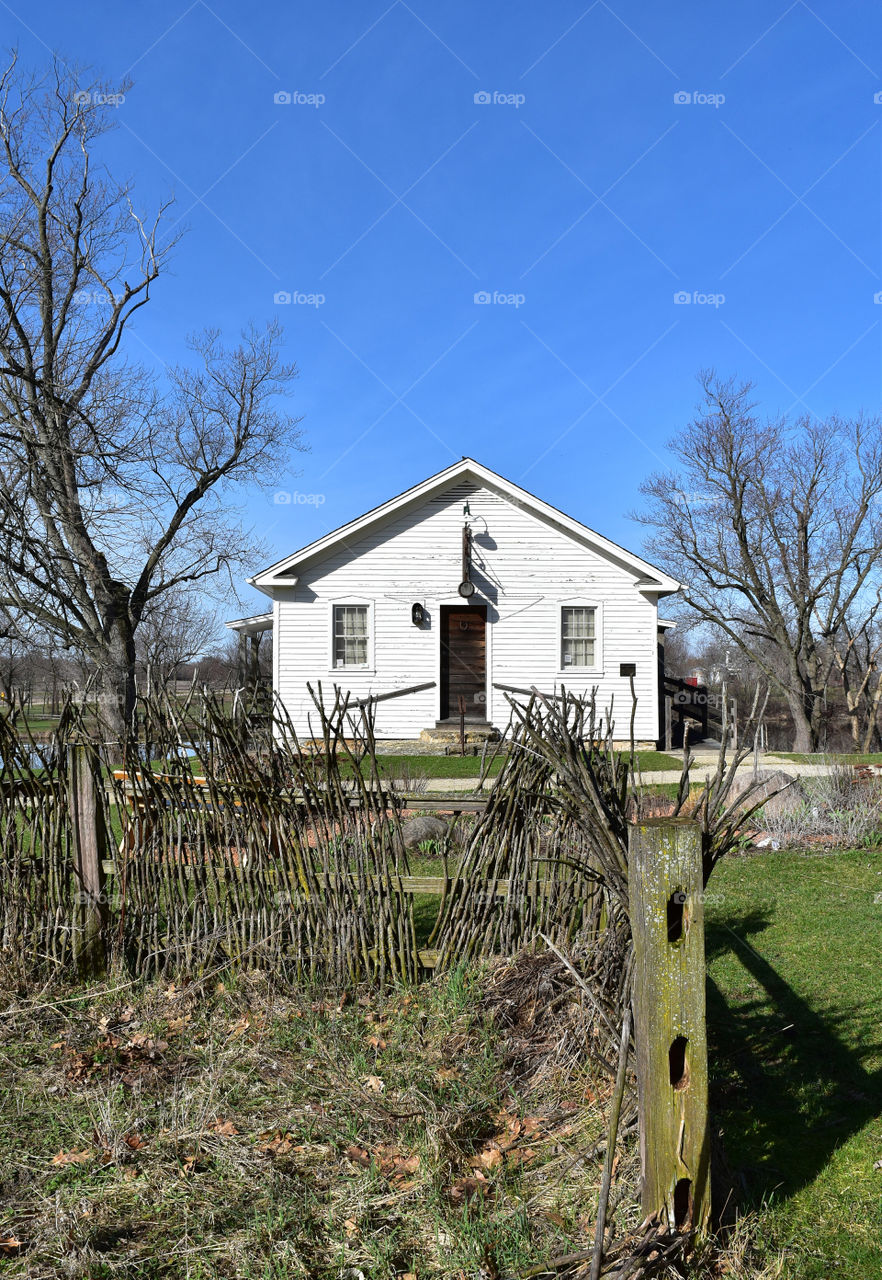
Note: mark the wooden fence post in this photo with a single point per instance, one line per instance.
(667, 922)
(87, 839)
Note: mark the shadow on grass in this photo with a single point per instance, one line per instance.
(786, 1088)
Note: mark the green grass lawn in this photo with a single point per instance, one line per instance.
(826, 757)
(657, 761)
(35, 722)
(795, 1008)
(437, 766)
(455, 766)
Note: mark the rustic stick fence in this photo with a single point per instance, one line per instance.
(291, 857)
(277, 857)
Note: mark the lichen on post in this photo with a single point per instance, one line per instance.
(667, 922)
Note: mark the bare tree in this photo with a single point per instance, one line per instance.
(775, 529)
(114, 487)
(857, 653)
(175, 628)
(16, 661)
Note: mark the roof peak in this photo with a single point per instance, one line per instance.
(283, 572)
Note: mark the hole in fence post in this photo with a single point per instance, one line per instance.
(683, 1205)
(676, 915)
(679, 1068)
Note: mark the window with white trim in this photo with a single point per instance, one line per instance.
(350, 635)
(577, 636)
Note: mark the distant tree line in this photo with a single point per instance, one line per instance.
(180, 644)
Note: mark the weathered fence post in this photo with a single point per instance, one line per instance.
(87, 839)
(667, 922)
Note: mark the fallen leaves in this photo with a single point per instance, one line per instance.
(276, 1143)
(506, 1144)
(466, 1189)
(556, 1219)
(72, 1157)
(490, 1157)
(111, 1021)
(374, 1084)
(389, 1162)
(112, 1055)
(330, 1007)
(225, 1128)
(520, 1155)
(9, 1245)
(146, 1044)
(444, 1075)
(358, 1155)
(191, 1164)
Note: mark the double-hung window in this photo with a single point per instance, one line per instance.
(351, 635)
(577, 636)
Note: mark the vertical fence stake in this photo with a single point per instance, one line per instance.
(87, 839)
(667, 922)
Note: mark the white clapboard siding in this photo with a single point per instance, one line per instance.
(525, 568)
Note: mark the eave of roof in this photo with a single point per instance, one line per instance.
(252, 626)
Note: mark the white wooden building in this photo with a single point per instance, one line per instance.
(471, 587)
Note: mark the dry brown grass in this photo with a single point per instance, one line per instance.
(236, 1129)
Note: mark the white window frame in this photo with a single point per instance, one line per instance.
(597, 668)
(359, 603)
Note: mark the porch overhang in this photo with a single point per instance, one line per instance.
(254, 626)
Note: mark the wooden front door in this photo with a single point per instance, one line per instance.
(463, 661)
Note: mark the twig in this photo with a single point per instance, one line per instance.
(579, 979)
(556, 1264)
(615, 1109)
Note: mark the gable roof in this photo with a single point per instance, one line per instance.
(284, 572)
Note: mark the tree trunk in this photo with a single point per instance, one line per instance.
(871, 734)
(806, 726)
(117, 696)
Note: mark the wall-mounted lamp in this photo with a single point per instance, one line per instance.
(417, 614)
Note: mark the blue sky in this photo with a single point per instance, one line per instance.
(628, 153)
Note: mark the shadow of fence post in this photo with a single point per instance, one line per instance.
(667, 922)
(87, 847)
